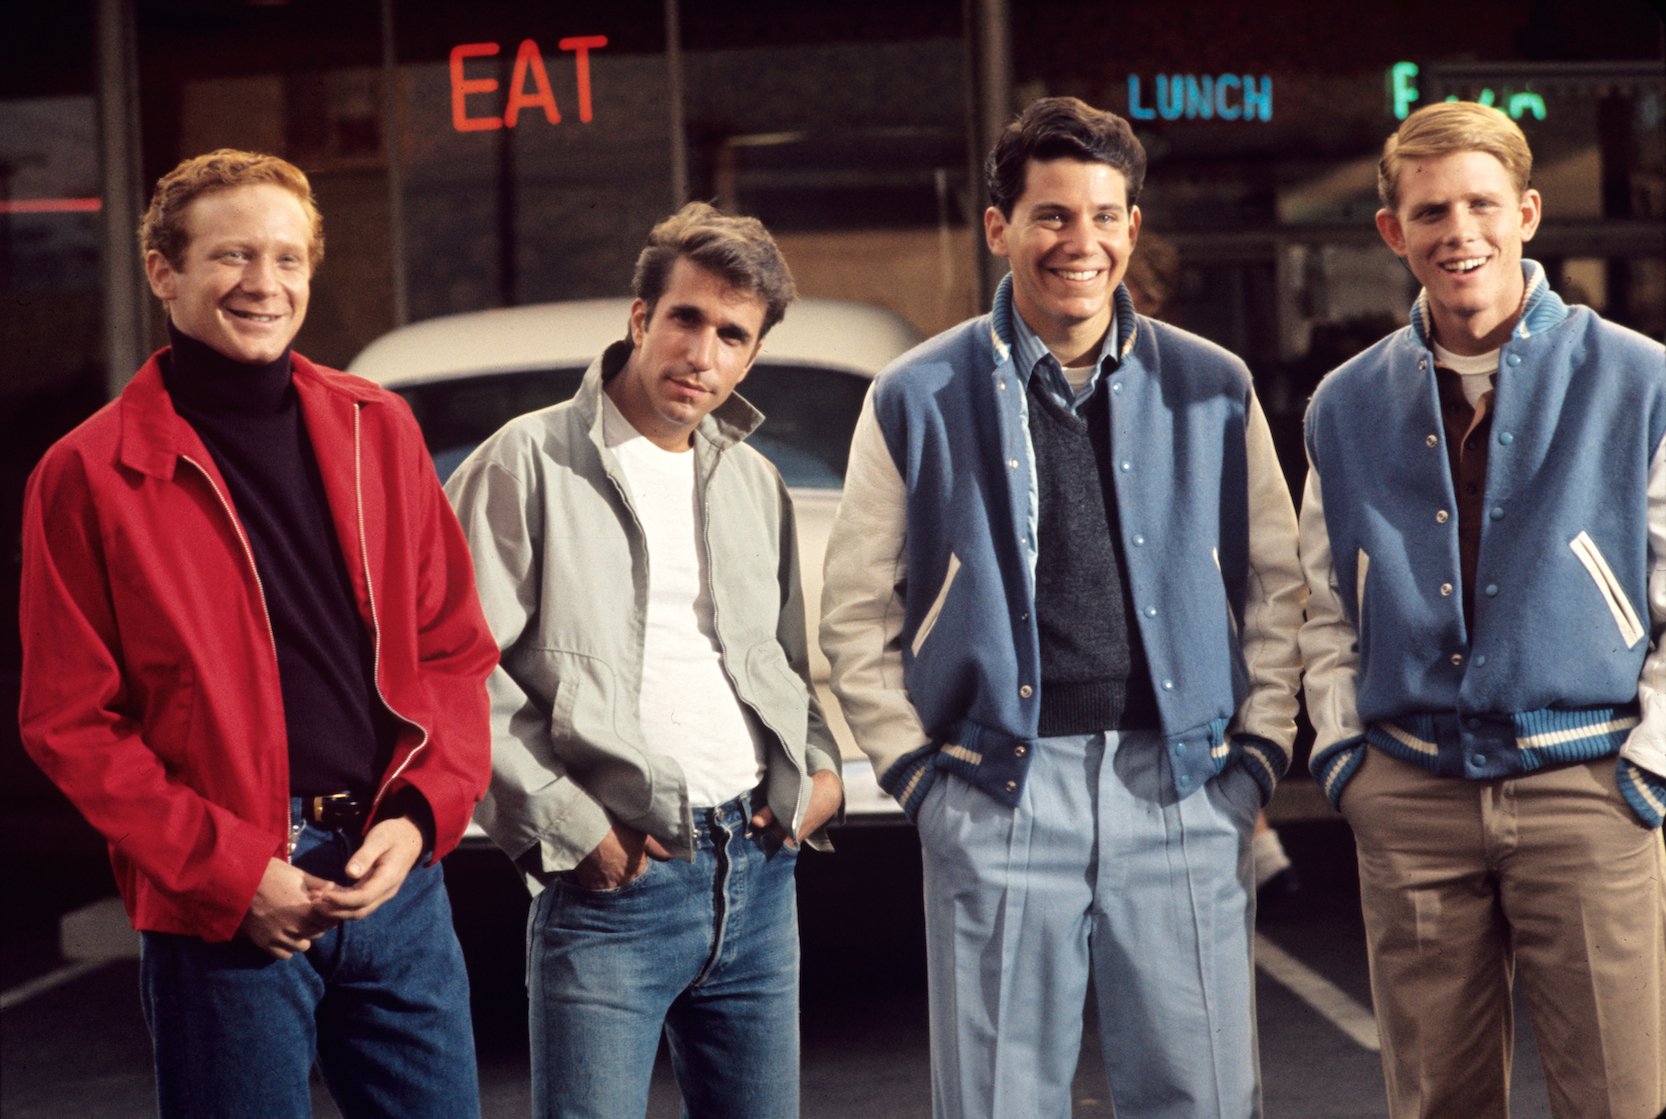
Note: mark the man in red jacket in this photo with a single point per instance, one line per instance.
(254, 659)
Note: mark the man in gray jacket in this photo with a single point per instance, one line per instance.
(658, 754)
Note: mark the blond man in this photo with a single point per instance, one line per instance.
(1484, 536)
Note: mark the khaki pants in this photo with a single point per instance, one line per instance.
(1462, 882)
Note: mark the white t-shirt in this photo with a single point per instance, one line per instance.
(689, 708)
(1474, 373)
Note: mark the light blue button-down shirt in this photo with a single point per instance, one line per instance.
(1031, 356)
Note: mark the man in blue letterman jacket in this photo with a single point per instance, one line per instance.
(1484, 536)
(1061, 605)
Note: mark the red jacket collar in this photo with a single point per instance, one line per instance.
(154, 436)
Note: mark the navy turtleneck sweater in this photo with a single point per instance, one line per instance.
(341, 735)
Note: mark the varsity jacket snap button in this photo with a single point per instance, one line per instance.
(1514, 359)
(1012, 786)
(1127, 466)
(1497, 513)
(1151, 611)
(1492, 590)
(1012, 462)
(1442, 516)
(1457, 658)
(1020, 750)
(1445, 590)
(1480, 659)
(1139, 540)
(1431, 440)
(1168, 685)
(1506, 438)
(1025, 691)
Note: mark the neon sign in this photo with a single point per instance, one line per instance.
(1403, 94)
(529, 67)
(1203, 97)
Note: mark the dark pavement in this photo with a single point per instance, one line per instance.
(72, 1042)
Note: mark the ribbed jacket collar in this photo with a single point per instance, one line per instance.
(1540, 310)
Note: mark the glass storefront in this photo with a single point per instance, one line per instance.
(488, 153)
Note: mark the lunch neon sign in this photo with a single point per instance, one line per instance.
(529, 83)
(1203, 97)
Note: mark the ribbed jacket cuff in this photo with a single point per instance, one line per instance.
(1265, 762)
(909, 777)
(1644, 791)
(1333, 766)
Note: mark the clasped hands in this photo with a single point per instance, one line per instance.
(292, 908)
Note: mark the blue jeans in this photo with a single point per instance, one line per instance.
(706, 951)
(382, 1003)
(1099, 875)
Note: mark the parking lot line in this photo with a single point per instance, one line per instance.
(1330, 1001)
(88, 938)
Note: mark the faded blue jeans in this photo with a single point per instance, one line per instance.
(706, 951)
(382, 1003)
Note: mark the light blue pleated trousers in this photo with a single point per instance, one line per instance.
(1102, 874)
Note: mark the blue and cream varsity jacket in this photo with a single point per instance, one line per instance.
(1570, 588)
(928, 604)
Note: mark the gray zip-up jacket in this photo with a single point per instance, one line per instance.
(561, 564)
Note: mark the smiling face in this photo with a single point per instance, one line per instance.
(1068, 241)
(689, 355)
(243, 279)
(1459, 225)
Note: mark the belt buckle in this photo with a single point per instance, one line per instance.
(335, 811)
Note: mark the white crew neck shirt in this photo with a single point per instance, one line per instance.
(688, 707)
(1474, 373)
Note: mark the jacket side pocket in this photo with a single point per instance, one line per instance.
(1360, 568)
(1231, 618)
(929, 622)
(1631, 629)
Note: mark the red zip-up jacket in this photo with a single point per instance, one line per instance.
(150, 676)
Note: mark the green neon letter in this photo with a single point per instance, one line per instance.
(1523, 103)
(1401, 90)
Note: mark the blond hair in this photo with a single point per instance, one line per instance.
(1447, 128)
(163, 227)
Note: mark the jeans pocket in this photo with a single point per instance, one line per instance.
(568, 880)
(772, 843)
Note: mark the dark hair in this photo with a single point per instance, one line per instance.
(738, 249)
(1061, 128)
(163, 227)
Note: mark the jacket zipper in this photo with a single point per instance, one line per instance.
(717, 627)
(623, 490)
(265, 613)
(375, 623)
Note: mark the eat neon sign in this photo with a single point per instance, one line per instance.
(529, 83)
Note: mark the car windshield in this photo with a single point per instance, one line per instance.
(809, 413)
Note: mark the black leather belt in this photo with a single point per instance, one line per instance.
(336, 811)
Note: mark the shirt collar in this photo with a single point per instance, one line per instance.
(1028, 351)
